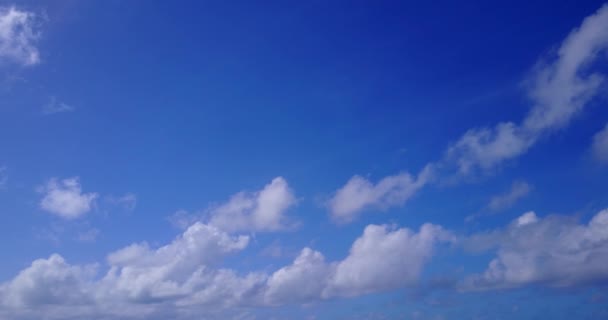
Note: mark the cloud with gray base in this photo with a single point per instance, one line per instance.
(555, 251)
(18, 36)
(184, 278)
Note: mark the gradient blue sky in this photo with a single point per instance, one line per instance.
(303, 160)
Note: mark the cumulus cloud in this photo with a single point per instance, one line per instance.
(559, 88)
(65, 198)
(263, 210)
(383, 258)
(18, 36)
(599, 147)
(185, 279)
(360, 194)
(519, 189)
(302, 281)
(180, 274)
(142, 274)
(553, 251)
(49, 281)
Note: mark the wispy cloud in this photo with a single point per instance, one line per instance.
(127, 201)
(559, 88)
(18, 36)
(88, 235)
(360, 194)
(54, 106)
(519, 189)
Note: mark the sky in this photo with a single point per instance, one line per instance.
(303, 160)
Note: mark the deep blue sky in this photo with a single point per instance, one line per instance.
(181, 105)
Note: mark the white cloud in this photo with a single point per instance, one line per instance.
(558, 88)
(66, 199)
(49, 282)
(184, 279)
(553, 251)
(18, 36)
(263, 210)
(139, 273)
(599, 147)
(519, 189)
(485, 148)
(383, 258)
(302, 281)
(360, 194)
(55, 106)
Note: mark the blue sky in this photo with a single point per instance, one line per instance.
(317, 160)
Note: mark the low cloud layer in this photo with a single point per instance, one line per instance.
(186, 274)
(554, 251)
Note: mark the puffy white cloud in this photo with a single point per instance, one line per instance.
(184, 279)
(383, 258)
(600, 145)
(141, 274)
(18, 36)
(553, 251)
(519, 189)
(66, 199)
(558, 89)
(302, 281)
(360, 194)
(263, 210)
(49, 282)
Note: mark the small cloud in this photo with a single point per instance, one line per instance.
(88, 236)
(359, 194)
(55, 106)
(65, 198)
(503, 201)
(127, 201)
(599, 146)
(519, 189)
(18, 36)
